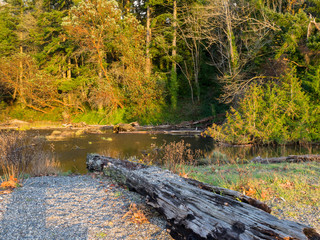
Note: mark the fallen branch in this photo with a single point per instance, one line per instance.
(290, 159)
(196, 210)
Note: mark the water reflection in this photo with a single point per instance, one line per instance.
(222, 154)
(72, 151)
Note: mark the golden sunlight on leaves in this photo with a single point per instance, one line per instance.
(136, 215)
(248, 190)
(184, 174)
(266, 194)
(10, 184)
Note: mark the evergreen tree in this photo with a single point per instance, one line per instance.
(8, 36)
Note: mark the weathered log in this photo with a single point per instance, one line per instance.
(290, 159)
(199, 211)
(230, 193)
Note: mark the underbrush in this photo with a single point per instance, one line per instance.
(27, 114)
(21, 155)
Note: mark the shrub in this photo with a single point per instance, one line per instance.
(173, 156)
(22, 154)
(281, 113)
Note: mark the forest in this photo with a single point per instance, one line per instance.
(252, 64)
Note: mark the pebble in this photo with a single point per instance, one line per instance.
(75, 207)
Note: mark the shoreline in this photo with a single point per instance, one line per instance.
(129, 128)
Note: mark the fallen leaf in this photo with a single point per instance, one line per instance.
(287, 185)
(137, 215)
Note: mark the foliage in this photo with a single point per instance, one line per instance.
(117, 46)
(35, 89)
(278, 113)
(92, 61)
(28, 114)
(173, 88)
(8, 36)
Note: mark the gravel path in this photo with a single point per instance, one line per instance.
(74, 207)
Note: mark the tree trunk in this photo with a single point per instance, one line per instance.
(199, 211)
(69, 69)
(174, 41)
(148, 41)
(232, 50)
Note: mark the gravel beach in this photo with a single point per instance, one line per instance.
(90, 207)
(75, 207)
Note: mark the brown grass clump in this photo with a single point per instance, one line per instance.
(173, 156)
(178, 154)
(46, 165)
(22, 154)
(15, 153)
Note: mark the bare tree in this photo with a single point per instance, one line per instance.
(190, 30)
(34, 88)
(233, 32)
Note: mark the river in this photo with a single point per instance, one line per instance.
(71, 152)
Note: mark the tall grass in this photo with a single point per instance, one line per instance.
(173, 156)
(21, 154)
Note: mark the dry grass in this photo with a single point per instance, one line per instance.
(17, 153)
(172, 156)
(46, 165)
(21, 154)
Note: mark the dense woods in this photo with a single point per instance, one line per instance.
(156, 61)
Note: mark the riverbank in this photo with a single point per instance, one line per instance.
(93, 207)
(292, 190)
(185, 128)
(75, 207)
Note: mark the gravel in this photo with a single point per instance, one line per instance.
(302, 213)
(75, 207)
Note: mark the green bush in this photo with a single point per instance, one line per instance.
(271, 113)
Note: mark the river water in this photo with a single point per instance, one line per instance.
(71, 152)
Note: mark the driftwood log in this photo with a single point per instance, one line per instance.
(190, 127)
(195, 210)
(290, 159)
(202, 123)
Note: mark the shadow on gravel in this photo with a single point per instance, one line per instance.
(25, 216)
